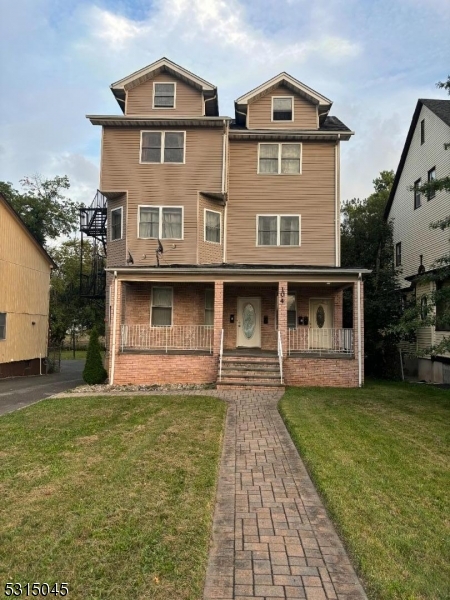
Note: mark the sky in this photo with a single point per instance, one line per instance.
(373, 58)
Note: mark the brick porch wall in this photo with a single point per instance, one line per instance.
(322, 372)
(148, 369)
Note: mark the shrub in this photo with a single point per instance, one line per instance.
(94, 371)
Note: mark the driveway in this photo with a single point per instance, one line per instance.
(21, 391)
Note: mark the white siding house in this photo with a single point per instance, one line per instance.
(424, 156)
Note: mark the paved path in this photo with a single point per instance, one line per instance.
(271, 535)
(18, 392)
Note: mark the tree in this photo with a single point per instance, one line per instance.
(366, 241)
(67, 309)
(44, 209)
(445, 85)
(94, 372)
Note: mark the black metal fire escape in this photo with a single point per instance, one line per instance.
(93, 255)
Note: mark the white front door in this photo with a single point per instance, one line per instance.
(248, 323)
(320, 324)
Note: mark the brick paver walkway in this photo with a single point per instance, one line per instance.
(271, 535)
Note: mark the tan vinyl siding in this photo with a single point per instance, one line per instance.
(162, 185)
(311, 194)
(209, 252)
(260, 112)
(24, 297)
(188, 100)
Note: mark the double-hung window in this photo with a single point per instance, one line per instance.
(398, 254)
(278, 230)
(163, 95)
(162, 306)
(282, 108)
(161, 222)
(280, 159)
(212, 226)
(162, 146)
(209, 307)
(417, 195)
(431, 178)
(2, 326)
(116, 224)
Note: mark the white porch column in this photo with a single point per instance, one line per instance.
(218, 315)
(282, 313)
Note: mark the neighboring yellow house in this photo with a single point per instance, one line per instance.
(25, 269)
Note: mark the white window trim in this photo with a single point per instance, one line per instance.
(279, 158)
(159, 207)
(278, 231)
(121, 224)
(163, 141)
(204, 226)
(165, 287)
(284, 120)
(174, 96)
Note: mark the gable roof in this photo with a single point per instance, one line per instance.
(18, 218)
(441, 108)
(290, 82)
(164, 65)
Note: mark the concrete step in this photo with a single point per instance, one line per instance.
(250, 374)
(223, 385)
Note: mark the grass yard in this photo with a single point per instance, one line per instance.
(379, 456)
(68, 354)
(112, 495)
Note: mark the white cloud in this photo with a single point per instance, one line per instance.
(59, 58)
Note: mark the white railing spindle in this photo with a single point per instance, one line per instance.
(323, 340)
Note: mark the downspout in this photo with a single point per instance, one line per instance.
(113, 349)
(359, 332)
(337, 231)
(225, 187)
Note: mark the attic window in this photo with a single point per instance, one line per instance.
(282, 108)
(163, 95)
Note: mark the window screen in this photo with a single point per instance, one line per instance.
(2, 326)
(148, 222)
(212, 226)
(162, 306)
(282, 109)
(164, 95)
(116, 224)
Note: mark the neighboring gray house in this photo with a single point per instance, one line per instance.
(425, 156)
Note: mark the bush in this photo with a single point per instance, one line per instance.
(94, 371)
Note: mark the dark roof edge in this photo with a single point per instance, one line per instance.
(32, 236)
(233, 268)
(403, 156)
(421, 102)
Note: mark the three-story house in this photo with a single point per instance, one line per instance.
(223, 260)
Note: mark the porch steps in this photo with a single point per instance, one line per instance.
(250, 372)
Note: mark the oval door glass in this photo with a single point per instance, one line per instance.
(320, 316)
(249, 320)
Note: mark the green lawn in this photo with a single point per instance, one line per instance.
(380, 459)
(112, 495)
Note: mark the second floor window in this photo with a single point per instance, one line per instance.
(417, 195)
(278, 230)
(162, 146)
(161, 222)
(279, 159)
(116, 224)
(163, 95)
(282, 108)
(422, 131)
(398, 254)
(212, 226)
(431, 178)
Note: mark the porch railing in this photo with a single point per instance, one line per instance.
(220, 355)
(280, 355)
(322, 341)
(174, 337)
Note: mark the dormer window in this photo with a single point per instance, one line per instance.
(282, 108)
(163, 95)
